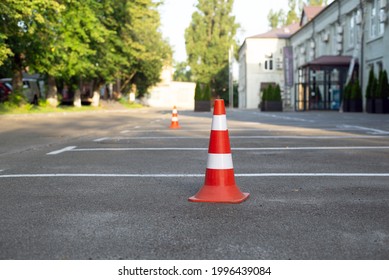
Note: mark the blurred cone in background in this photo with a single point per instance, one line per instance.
(174, 123)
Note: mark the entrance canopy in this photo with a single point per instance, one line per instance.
(329, 61)
(321, 82)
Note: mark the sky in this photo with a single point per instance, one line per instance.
(176, 16)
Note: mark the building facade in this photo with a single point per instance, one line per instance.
(261, 64)
(343, 40)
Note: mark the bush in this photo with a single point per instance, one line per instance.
(272, 93)
(382, 87)
(385, 85)
(202, 92)
(370, 85)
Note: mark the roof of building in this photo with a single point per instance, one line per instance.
(309, 12)
(281, 33)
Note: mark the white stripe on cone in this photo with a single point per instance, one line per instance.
(219, 161)
(174, 111)
(174, 119)
(219, 122)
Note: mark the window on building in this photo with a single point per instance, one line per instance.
(351, 38)
(377, 25)
(373, 19)
(269, 64)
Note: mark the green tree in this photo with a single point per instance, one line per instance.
(182, 72)
(21, 23)
(208, 39)
(281, 18)
(317, 2)
(71, 41)
(72, 44)
(143, 44)
(291, 16)
(276, 18)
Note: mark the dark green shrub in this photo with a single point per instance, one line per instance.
(385, 85)
(355, 90)
(272, 93)
(370, 84)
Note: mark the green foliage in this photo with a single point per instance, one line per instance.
(347, 91)
(385, 85)
(280, 18)
(276, 18)
(277, 93)
(272, 93)
(378, 91)
(198, 91)
(208, 39)
(382, 89)
(90, 40)
(352, 91)
(202, 92)
(207, 92)
(291, 15)
(369, 88)
(182, 73)
(356, 92)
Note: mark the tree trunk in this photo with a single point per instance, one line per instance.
(17, 78)
(52, 92)
(77, 98)
(96, 98)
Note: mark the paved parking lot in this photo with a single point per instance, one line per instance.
(115, 185)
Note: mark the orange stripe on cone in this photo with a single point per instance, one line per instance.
(219, 185)
(174, 124)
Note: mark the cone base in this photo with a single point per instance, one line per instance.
(175, 126)
(222, 194)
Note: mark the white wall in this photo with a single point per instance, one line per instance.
(258, 50)
(180, 94)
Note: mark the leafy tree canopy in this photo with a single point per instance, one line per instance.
(282, 18)
(208, 38)
(100, 40)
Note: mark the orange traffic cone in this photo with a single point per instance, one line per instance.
(219, 186)
(174, 123)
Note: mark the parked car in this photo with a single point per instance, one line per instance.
(30, 89)
(5, 90)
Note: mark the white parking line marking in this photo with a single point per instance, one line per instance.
(368, 129)
(284, 117)
(72, 149)
(246, 137)
(312, 148)
(137, 149)
(62, 150)
(101, 139)
(197, 175)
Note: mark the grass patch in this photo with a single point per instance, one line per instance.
(129, 105)
(43, 107)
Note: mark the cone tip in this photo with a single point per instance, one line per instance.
(219, 108)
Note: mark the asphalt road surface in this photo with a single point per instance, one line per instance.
(115, 185)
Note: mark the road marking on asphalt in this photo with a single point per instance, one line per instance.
(195, 175)
(246, 137)
(284, 117)
(73, 149)
(67, 149)
(137, 149)
(313, 148)
(368, 129)
(102, 139)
